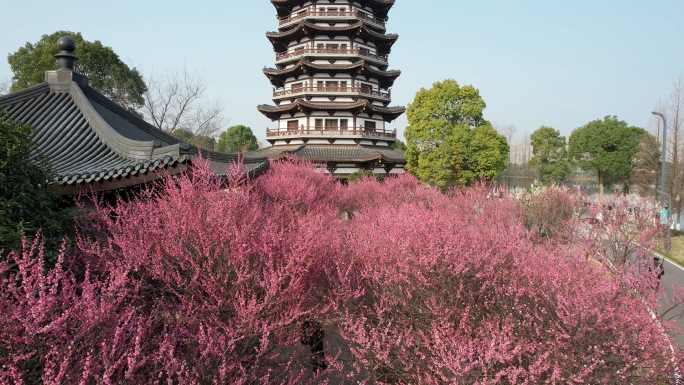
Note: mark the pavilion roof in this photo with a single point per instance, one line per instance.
(280, 40)
(278, 77)
(380, 7)
(95, 144)
(362, 105)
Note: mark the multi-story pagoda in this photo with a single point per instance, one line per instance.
(332, 86)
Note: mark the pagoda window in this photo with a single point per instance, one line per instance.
(319, 124)
(299, 50)
(331, 124)
(332, 12)
(320, 86)
(343, 86)
(366, 89)
(364, 51)
(292, 125)
(331, 86)
(344, 124)
(320, 48)
(297, 87)
(333, 48)
(369, 126)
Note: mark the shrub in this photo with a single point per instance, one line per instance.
(262, 282)
(461, 293)
(548, 208)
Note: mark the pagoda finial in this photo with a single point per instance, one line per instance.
(67, 60)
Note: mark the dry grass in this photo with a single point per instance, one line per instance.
(677, 252)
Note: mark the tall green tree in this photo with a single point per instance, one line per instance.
(103, 67)
(448, 141)
(550, 154)
(608, 147)
(236, 139)
(26, 203)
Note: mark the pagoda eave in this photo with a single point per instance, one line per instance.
(277, 77)
(389, 114)
(381, 7)
(383, 42)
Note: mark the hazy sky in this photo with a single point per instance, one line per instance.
(557, 63)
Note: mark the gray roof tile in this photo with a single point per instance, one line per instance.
(80, 155)
(352, 153)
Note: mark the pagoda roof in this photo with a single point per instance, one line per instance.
(303, 67)
(380, 7)
(301, 105)
(96, 145)
(336, 153)
(280, 40)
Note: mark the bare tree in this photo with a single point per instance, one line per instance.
(646, 172)
(177, 100)
(508, 131)
(5, 85)
(645, 176)
(675, 119)
(527, 148)
(655, 125)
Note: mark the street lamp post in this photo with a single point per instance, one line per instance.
(669, 207)
(677, 376)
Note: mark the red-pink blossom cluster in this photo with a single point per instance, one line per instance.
(295, 278)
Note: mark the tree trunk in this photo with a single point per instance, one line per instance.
(600, 178)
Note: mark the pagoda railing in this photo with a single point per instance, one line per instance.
(323, 131)
(331, 51)
(312, 13)
(355, 89)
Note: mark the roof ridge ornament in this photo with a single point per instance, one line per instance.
(67, 59)
(60, 80)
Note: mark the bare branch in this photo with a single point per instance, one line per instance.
(5, 85)
(176, 100)
(674, 109)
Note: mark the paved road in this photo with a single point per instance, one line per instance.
(673, 274)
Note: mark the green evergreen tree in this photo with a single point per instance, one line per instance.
(550, 154)
(183, 135)
(608, 147)
(449, 142)
(237, 139)
(399, 145)
(106, 72)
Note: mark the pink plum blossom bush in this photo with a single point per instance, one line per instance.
(202, 281)
(546, 209)
(458, 291)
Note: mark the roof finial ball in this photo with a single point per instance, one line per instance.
(67, 60)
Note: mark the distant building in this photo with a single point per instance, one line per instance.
(332, 89)
(95, 144)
